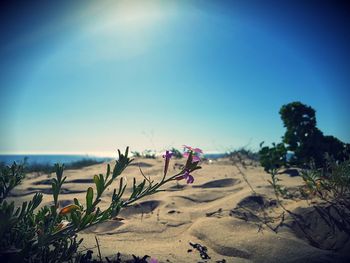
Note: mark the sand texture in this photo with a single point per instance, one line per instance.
(219, 211)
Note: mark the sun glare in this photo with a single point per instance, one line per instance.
(129, 17)
(121, 29)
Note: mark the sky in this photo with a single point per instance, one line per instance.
(96, 76)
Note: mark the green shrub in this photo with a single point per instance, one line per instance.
(305, 140)
(243, 153)
(148, 154)
(176, 153)
(273, 158)
(136, 154)
(331, 183)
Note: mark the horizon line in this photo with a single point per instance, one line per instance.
(93, 154)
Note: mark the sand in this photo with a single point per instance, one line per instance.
(219, 211)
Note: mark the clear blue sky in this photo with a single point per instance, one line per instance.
(95, 76)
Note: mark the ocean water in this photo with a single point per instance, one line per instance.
(215, 155)
(47, 158)
(51, 159)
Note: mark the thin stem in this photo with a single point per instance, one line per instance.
(98, 248)
(146, 193)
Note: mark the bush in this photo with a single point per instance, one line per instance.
(305, 140)
(136, 154)
(176, 153)
(273, 158)
(331, 183)
(243, 154)
(148, 154)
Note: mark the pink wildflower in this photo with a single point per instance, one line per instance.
(167, 154)
(195, 158)
(196, 150)
(153, 260)
(186, 176)
(195, 153)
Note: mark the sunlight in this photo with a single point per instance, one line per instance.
(122, 29)
(129, 18)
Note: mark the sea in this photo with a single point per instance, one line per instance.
(48, 159)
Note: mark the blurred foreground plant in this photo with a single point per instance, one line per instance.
(50, 234)
(273, 159)
(331, 183)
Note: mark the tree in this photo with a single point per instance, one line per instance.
(305, 140)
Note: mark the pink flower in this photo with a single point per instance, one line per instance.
(195, 158)
(153, 260)
(186, 176)
(167, 154)
(195, 153)
(196, 150)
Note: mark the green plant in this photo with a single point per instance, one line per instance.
(176, 153)
(50, 233)
(306, 143)
(136, 154)
(148, 154)
(242, 154)
(10, 177)
(331, 183)
(273, 158)
(305, 140)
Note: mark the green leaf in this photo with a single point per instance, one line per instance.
(17, 211)
(97, 183)
(120, 186)
(76, 201)
(89, 197)
(105, 215)
(126, 152)
(38, 197)
(96, 214)
(59, 171)
(23, 210)
(108, 171)
(102, 182)
(75, 218)
(85, 220)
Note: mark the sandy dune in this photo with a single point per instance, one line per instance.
(218, 211)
